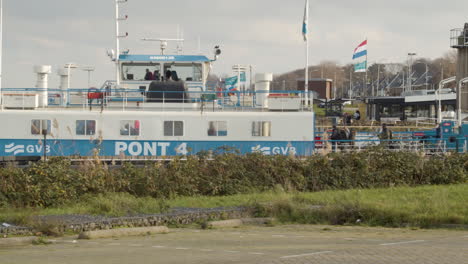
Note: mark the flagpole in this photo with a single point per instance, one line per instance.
(307, 74)
(367, 51)
(305, 31)
(1, 52)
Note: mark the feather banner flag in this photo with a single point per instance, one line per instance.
(305, 24)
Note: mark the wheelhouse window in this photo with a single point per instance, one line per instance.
(130, 128)
(261, 129)
(183, 71)
(141, 71)
(217, 128)
(85, 127)
(173, 128)
(38, 125)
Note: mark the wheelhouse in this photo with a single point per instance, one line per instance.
(138, 71)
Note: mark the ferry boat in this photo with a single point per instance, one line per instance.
(158, 106)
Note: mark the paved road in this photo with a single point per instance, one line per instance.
(281, 244)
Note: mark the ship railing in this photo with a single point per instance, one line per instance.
(109, 97)
(427, 146)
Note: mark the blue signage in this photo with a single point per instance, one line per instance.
(134, 148)
(163, 58)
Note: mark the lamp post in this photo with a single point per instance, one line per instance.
(350, 83)
(335, 82)
(88, 69)
(1, 51)
(70, 66)
(410, 70)
(426, 72)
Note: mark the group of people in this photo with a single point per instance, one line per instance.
(156, 75)
(342, 137)
(347, 118)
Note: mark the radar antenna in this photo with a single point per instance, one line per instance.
(163, 42)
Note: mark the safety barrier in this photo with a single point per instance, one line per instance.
(125, 99)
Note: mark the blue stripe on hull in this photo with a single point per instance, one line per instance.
(28, 147)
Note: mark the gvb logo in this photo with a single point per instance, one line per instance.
(274, 150)
(14, 149)
(29, 149)
(259, 149)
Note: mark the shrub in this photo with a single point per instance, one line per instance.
(52, 183)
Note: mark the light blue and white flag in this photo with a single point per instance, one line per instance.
(305, 29)
(358, 54)
(231, 83)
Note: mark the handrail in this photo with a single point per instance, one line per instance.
(109, 97)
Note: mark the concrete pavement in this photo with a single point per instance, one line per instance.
(280, 244)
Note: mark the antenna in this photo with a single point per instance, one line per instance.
(180, 44)
(163, 42)
(199, 45)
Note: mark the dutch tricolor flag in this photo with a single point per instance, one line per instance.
(306, 21)
(361, 50)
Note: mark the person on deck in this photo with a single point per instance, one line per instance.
(149, 75)
(156, 75)
(335, 135)
(357, 115)
(168, 75)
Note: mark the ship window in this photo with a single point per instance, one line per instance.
(37, 125)
(85, 127)
(173, 128)
(137, 71)
(186, 71)
(130, 128)
(261, 129)
(217, 128)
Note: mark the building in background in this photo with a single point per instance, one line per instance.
(323, 88)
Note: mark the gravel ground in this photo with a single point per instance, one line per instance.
(75, 220)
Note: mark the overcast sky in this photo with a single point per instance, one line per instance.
(262, 33)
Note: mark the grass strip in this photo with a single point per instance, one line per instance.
(424, 206)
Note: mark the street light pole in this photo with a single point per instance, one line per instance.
(89, 70)
(378, 80)
(410, 70)
(1, 51)
(334, 86)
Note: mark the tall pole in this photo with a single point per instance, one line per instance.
(1, 51)
(410, 71)
(305, 32)
(367, 59)
(306, 85)
(427, 79)
(117, 43)
(378, 80)
(334, 86)
(250, 86)
(350, 83)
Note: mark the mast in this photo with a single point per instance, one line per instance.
(117, 38)
(1, 51)
(365, 82)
